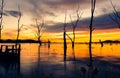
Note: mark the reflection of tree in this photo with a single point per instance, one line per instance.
(48, 44)
(73, 51)
(39, 55)
(10, 64)
(19, 26)
(89, 72)
(74, 62)
(37, 70)
(92, 72)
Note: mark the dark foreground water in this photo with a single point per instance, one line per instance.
(47, 62)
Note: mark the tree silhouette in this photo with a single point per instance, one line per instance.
(74, 25)
(19, 26)
(39, 28)
(93, 3)
(1, 17)
(64, 37)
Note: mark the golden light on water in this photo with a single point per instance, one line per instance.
(30, 52)
(54, 60)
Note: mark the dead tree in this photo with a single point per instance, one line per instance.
(64, 37)
(39, 28)
(74, 25)
(93, 3)
(115, 17)
(19, 26)
(1, 17)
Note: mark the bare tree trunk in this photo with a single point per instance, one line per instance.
(90, 48)
(1, 18)
(19, 26)
(17, 37)
(1, 29)
(18, 29)
(73, 42)
(65, 46)
(64, 38)
(74, 25)
(93, 2)
(0, 32)
(39, 40)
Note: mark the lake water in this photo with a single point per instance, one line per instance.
(47, 62)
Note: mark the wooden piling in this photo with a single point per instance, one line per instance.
(1, 48)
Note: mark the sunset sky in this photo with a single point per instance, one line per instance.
(53, 13)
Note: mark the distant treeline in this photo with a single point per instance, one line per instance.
(35, 41)
(110, 41)
(19, 41)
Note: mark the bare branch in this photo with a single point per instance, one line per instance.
(112, 18)
(71, 20)
(78, 15)
(115, 10)
(39, 28)
(93, 29)
(2, 27)
(69, 37)
(21, 26)
(115, 17)
(42, 25)
(42, 34)
(65, 24)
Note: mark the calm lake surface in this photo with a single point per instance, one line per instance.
(47, 61)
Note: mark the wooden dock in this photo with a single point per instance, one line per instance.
(10, 51)
(10, 57)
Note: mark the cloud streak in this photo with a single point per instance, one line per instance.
(101, 22)
(52, 8)
(12, 13)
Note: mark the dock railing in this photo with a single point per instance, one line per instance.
(12, 49)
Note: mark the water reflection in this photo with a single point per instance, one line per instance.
(9, 67)
(48, 62)
(38, 56)
(73, 51)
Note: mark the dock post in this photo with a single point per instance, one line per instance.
(13, 51)
(1, 48)
(6, 50)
